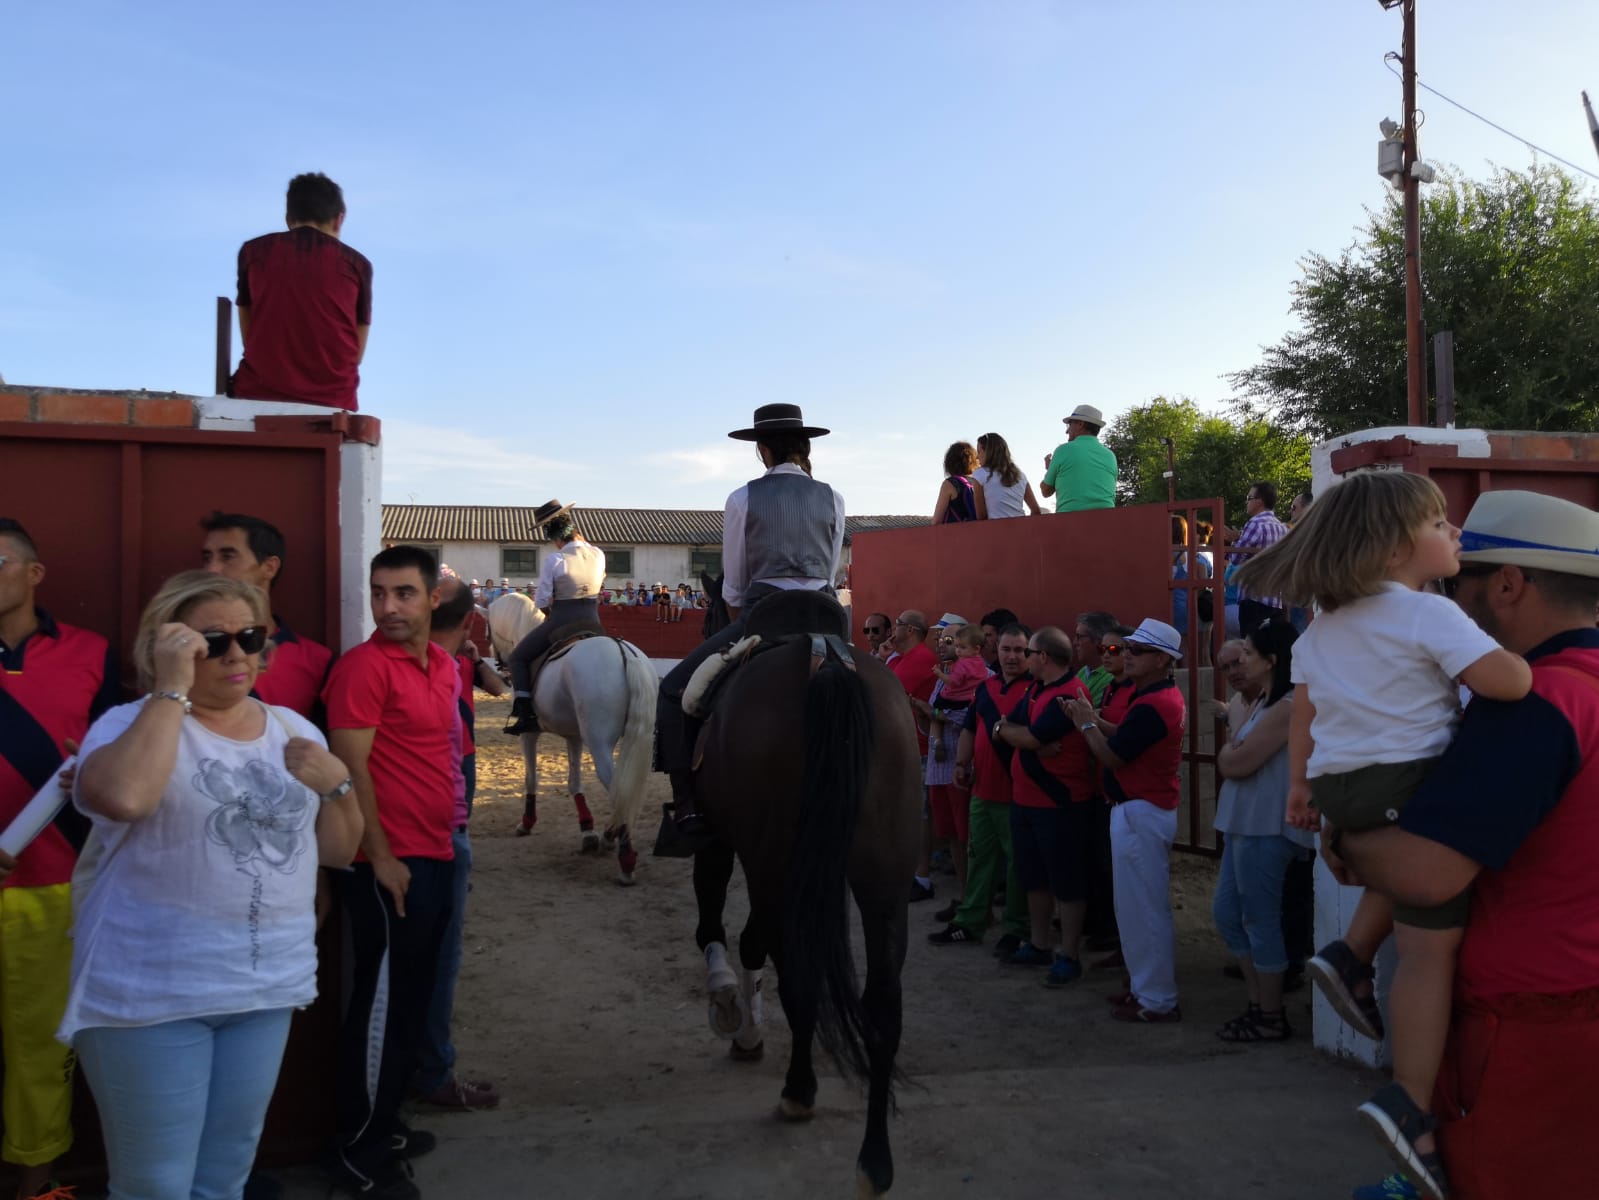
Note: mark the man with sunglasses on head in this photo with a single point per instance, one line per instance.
(393, 718)
(55, 679)
(250, 549)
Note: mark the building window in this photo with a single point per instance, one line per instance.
(519, 561)
(618, 563)
(704, 562)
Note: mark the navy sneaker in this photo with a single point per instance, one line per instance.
(1027, 955)
(1395, 1187)
(1063, 971)
(1006, 945)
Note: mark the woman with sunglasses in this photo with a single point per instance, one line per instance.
(194, 938)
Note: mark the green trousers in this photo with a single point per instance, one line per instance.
(988, 843)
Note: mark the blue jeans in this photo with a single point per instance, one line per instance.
(435, 1060)
(1248, 905)
(182, 1103)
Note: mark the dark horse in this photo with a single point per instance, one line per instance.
(812, 781)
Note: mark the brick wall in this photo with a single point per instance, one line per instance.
(70, 406)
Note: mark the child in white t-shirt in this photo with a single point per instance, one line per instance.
(1376, 704)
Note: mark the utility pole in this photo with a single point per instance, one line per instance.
(1415, 346)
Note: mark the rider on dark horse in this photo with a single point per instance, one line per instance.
(568, 591)
(782, 531)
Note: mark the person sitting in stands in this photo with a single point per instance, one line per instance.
(305, 305)
(782, 531)
(568, 591)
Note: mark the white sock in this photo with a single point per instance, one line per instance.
(925, 880)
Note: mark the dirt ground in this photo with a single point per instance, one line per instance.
(584, 1002)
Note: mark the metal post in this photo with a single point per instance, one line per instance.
(1443, 369)
(224, 344)
(1171, 470)
(1415, 351)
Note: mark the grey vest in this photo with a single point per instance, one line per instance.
(790, 529)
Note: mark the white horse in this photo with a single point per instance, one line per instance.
(598, 693)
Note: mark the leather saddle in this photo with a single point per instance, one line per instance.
(564, 640)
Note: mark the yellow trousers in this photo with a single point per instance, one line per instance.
(35, 971)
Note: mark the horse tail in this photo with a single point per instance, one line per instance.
(638, 736)
(817, 964)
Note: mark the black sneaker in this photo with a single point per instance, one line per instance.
(947, 913)
(388, 1179)
(955, 935)
(920, 891)
(1006, 945)
(412, 1143)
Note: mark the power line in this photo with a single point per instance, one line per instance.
(1387, 62)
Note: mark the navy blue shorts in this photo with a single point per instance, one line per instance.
(1052, 849)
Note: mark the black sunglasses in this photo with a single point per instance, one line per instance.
(251, 639)
(1450, 586)
(870, 629)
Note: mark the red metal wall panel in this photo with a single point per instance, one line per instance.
(1046, 569)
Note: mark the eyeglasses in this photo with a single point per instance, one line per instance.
(251, 639)
(871, 629)
(909, 625)
(1138, 651)
(1451, 586)
(946, 641)
(1029, 652)
(1110, 649)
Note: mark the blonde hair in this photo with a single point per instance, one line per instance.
(1339, 552)
(180, 596)
(970, 635)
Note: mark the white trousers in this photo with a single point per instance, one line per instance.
(1140, 850)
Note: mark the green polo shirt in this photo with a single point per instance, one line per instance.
(1083, 474)
(1096, 681)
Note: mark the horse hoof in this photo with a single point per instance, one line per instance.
(626, 879)
(747, 1054)
(793, 1111)
(591, 843)
(864, 1188)
(523, 830)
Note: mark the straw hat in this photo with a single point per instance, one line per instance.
(1528, 529)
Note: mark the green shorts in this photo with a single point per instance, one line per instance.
(1372, 797)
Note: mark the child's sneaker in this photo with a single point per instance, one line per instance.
(1395, 1187)
(1336, 971)
(1027, 955)
(1063, 971)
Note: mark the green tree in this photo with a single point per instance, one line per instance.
(1215, 455)
(1510, 266)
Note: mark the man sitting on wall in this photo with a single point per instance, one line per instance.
(305, 304)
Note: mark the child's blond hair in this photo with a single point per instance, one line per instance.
(1340, 551)
(970, 635)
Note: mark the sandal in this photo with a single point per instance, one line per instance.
(1398, 1122)
(1256, 1026)
(1336, 971)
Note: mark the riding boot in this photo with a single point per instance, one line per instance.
(684, 831)
(523, 718)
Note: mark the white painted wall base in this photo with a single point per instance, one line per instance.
(1335, 905)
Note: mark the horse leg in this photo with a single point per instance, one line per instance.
(748, 1045)
(885, 932)
(713, 871)
(798, 1102)
(530, 784)
(574, 785)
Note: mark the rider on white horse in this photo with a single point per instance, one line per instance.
(568, 591)
(782, 531)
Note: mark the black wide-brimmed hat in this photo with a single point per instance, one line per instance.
(777, 418)
(548, 511)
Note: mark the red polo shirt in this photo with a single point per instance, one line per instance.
(914, 670)
(52, 685)
(995, 700)
(380, 686)
(1067, 777)
(295, 673)
(467, 705)
(1149, 741)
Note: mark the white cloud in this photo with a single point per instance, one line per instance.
(425, 464)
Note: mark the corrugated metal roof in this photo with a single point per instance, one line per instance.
(435, 523)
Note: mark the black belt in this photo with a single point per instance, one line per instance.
(460, 828)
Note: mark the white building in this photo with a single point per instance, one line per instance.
(642, 545)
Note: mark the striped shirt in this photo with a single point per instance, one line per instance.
(1261, 530)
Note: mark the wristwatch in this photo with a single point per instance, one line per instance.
(178, 696)
(1087, 725)
(344, 789)
(994, 732)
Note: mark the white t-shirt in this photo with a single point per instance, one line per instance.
(1001, 501)
(1381, 673)
(206, 906)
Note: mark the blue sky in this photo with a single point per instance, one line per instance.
(603, 233)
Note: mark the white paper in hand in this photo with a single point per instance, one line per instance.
(37, 814)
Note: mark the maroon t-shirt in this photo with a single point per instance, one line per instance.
(307, 293)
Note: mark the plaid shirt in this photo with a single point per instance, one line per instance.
(1261, 530)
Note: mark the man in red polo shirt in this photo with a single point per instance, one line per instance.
(1141, 760)
(984, 766)
(295, 668)
(1512, 811)
(1051, 817)
(393, 719)
(305, 304)
(54, 680)
(913, 667)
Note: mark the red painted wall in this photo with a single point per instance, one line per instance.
(1046, 569)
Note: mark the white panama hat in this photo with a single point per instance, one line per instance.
(1529, 529)
(1158, 634)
